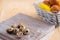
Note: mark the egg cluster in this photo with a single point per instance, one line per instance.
(19, 31)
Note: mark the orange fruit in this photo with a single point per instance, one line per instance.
(54, 2)
(46, 2)
(55, 8)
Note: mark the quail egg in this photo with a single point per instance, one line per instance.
(15, 31)
(19, 34)
(10, 30)
(26, 31)
(22, 28)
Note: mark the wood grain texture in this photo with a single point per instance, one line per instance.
(37, 28)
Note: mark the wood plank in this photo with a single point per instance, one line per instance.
(37, 28)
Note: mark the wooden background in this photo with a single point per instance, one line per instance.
(9, 8)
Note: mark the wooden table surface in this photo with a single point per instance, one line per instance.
(9, 8)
